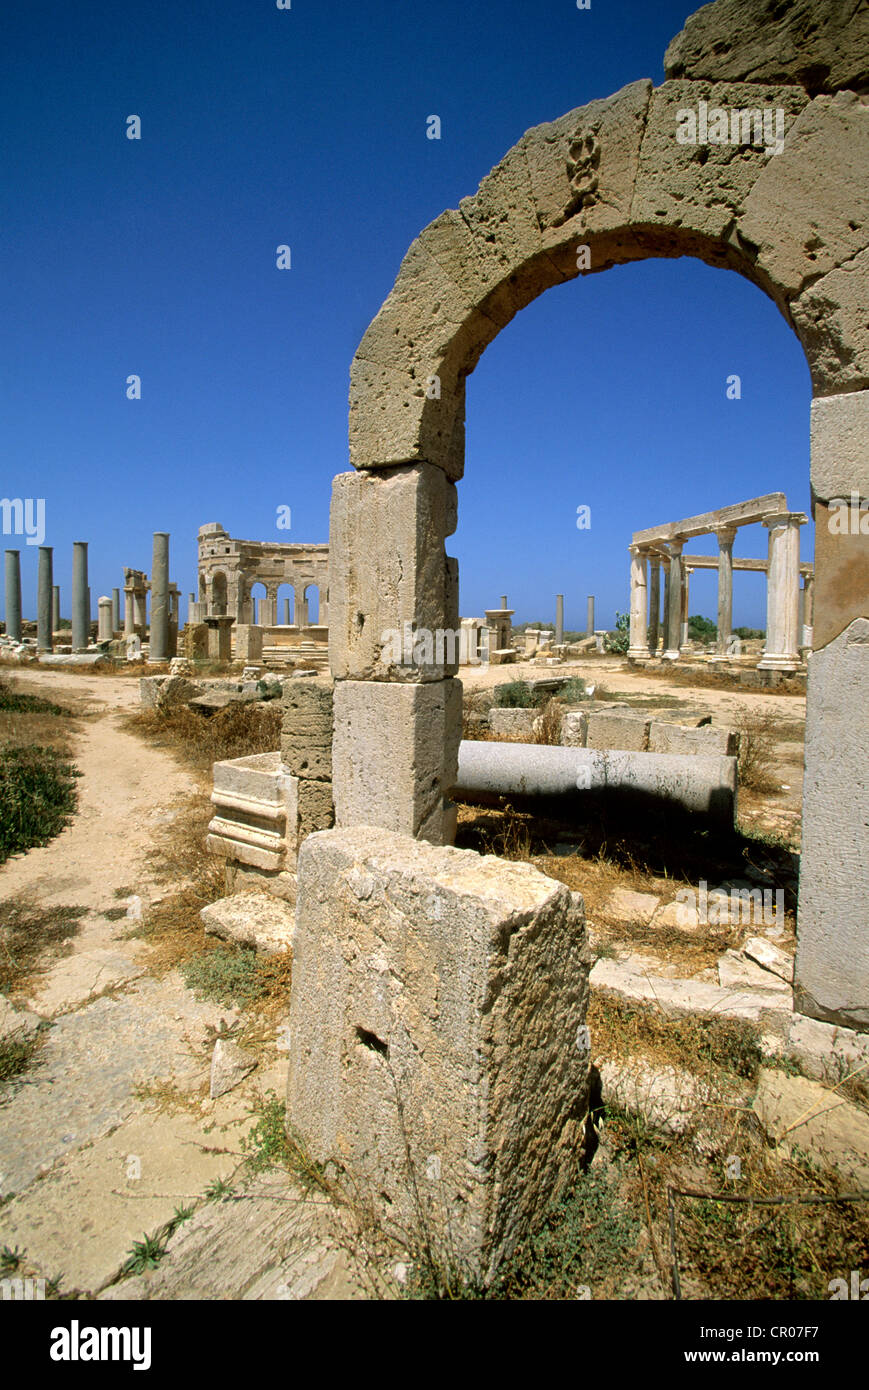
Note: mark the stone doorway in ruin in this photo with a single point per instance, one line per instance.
(605, 185)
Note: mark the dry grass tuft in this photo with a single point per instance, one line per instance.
(234, 732)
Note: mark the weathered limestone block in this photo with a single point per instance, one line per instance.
(808, 209)
(574, 729)
(396, 755)
(425, 297)
(261, 920)
(625, 731)
(306, 730)
(831, 975)
(256, 820)
(699, 188)
(316, 810)
(841, 570)
(840, 446)
(680, 738)
(390, 580)
(512, 723)
(822, 44)
(583, 166)
(800, 1114)
(248, 642)
(230, 1064)
(393, 420)
(830, 320)
(502, 217)
(437, 1013)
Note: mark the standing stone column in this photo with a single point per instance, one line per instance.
(654, 603)
(286, 612)
(781, 652)
(55, 608)
(639, 643)
(674, 602)
(686, 600)
(301, 608)
(808, 609)
(159, 649)
(726, 536)
(44, 642)
(104, 619)
(80, 591)
(589, 620)
(559, 619)
(665, 617)
(116, 611)
(13, 595)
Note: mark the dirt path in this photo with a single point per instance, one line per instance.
(113, 1128)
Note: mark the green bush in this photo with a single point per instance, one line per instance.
(573, 691)
(228, 976)
(619, 640)
(514, 695)
(702, 629)
(37, 796)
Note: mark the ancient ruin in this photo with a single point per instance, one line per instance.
(789, 604)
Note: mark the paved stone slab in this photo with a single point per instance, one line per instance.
(807, 1115)
(90, 1065)
(271, 1242)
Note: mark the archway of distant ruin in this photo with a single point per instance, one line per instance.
(603, 185)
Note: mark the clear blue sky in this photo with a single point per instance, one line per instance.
(308, 127)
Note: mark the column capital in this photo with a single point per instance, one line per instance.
(725, 535)
(675, 547)
(785, 519)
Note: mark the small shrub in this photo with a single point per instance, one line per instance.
(548, 723)
(37, 796)
(619, 640)
(514, 695)
(756, 751)
(227, 976)
(573, 691)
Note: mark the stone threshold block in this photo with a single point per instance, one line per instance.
(438, 1049)
(395, 755)
(260, 920)
(256, 812)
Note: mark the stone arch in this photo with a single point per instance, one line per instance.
(606, 184)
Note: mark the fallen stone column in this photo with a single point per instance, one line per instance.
(438, 1049)
(704, 785)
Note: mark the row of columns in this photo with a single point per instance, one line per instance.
(785, 621)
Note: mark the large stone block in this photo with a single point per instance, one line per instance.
(438, 1049)
(831, 976)
(831, 322)
(316, 811)
(574, 729)
(394, 421)
(840, 445)
(583, 167)
(681, 738)
(626, 731)
(822, 44)
(390, 580)
(701, 187)
(396, 755)
(808, 209)
(513, 723)
(306, 730)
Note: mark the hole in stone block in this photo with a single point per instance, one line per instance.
(371, 1040)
